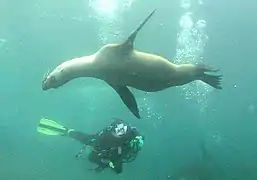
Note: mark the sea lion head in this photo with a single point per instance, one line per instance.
(58, 77)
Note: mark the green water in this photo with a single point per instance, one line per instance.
(35, 36)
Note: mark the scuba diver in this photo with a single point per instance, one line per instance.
(114, 145)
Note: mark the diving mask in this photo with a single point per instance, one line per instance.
(121, 129)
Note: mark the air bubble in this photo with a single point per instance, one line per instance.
(201, 24)
(191, 41)
(251, 109)
(186, 4)
(2, 42)
(186, 22)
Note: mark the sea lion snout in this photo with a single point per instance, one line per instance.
(46, 83)
(54, 81)
(49, 82)
(44, 87)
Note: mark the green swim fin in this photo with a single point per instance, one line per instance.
(50, 127)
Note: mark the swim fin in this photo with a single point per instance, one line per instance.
(50, 127)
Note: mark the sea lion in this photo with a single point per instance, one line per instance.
(121, 66)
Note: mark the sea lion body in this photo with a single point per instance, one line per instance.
(143, 71)
(121, 66)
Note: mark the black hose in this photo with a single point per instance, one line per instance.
(132, 156)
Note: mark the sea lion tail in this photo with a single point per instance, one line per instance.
(133, 35)
(212, 80)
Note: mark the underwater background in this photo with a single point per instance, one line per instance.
(37, 35)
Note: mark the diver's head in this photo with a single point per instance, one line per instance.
(120, 130)
(58, 77)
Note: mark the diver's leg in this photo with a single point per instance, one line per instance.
(81, 137)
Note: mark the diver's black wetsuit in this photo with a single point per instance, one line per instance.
(107, 146)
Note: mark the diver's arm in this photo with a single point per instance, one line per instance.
(117, 160)
(118, 167)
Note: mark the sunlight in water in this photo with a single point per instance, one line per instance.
(104, 7)
(191, 41)
(109, 14)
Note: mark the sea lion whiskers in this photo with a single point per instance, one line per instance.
(46, 74)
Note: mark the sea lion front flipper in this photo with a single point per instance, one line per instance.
(128, 98)
(131, 38)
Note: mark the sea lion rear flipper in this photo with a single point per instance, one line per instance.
(127, 98)
(131, 38)
(212, 80)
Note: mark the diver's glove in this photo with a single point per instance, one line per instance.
(107, 162)
(101, 167)
(111, 165)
